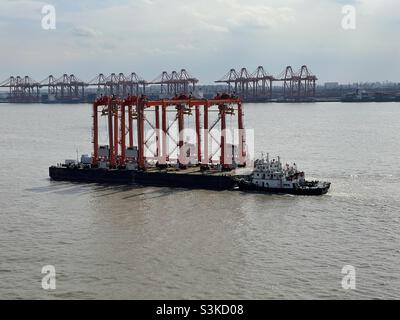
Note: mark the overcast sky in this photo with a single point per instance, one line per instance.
(207, 37)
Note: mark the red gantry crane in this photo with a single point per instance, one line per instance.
(154, 132)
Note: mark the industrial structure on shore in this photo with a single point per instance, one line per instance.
(290, 85)
(257, 86)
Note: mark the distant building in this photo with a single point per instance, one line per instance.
(331, 85)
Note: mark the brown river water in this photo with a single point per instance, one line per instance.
(158, 243)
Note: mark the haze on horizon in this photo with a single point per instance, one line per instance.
(206, 37)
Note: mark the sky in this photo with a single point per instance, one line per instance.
(206, 37)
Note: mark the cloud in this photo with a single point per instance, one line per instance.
(207, 26)
(185, 46)
(84, 32)
(21, 9)
(207, 37)
(230, 15)
(257, 16)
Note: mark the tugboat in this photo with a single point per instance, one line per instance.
(272, 177)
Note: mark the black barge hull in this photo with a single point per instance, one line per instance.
(145, 178)
(208, 181)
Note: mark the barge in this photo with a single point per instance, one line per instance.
(188, 165)
(191, 178)
(266, 177)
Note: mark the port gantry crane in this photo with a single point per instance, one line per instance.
(119, 85)
(296, 85)
(22, 89)
(123, 113)
(175, 83)
(257, 84)
(67, 87)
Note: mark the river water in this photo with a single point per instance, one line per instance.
(158, 243)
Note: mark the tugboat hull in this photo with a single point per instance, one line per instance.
(319, 190)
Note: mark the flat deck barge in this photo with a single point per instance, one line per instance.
(192, 178)
(161, 157)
